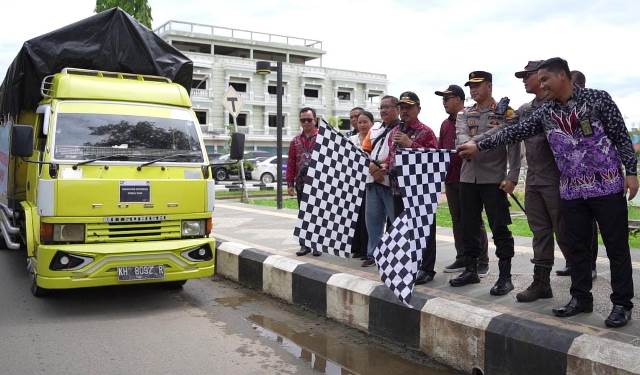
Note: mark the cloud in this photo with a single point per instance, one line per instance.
(421, 45)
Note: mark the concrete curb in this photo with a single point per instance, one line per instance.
(465, 337)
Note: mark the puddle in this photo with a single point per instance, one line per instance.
(339, 356)
(234, 302)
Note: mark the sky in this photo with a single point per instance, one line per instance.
(422, 46)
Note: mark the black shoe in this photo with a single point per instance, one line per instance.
(483, 270)
(456, 266)
(501, 287)
(619, 317)
(303, 251)
(566, 271)
(469, 276)
(539, 288)
(316, 253)
(572, 308)
(364, 257)
(368, 262)
(424, 277)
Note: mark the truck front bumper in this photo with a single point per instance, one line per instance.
(102, 270)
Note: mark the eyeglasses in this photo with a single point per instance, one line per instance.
(306, 120)
(389, 106)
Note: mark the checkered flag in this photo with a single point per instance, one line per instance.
(421, 173)
(333, 193)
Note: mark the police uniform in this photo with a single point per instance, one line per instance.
(480, 180)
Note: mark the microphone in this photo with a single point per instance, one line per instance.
(403, 126)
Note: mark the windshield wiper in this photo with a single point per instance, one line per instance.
(108, 157)
(167, 157)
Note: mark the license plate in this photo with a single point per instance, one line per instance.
(140, 273)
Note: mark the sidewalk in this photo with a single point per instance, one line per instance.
(270, 231)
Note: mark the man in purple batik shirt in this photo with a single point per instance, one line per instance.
(591, 145)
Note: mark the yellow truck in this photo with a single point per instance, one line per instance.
(106, 182)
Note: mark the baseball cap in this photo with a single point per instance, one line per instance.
(479, 76)
(452, 90)
(409, 97)
(532, 66)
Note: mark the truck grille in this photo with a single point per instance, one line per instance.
(127, 232)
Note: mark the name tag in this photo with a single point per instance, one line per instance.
(587, 130)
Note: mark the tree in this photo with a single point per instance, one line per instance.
(139, 9)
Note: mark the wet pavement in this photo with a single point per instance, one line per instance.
(208, 327)
(272, 230)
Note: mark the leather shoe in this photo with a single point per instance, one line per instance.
(303, 251)
(316, 253)
(424, 277)
(501, 287)
(566, 271)
(467, 277)
(619, 317)
(572, 308)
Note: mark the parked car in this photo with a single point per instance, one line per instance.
(224, 167)
(265, 170)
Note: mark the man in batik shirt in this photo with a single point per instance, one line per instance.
(591, 144)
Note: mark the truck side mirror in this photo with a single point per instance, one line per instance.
(22, 140)
(237, 146)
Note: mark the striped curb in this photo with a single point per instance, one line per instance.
(465, 337)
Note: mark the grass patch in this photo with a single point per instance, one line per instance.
(519, 226)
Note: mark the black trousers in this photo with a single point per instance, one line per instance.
(452, 190)
(428, 254)
(475, 197)
(361, 236)
(610, 212)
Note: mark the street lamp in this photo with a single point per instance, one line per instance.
(264, 68)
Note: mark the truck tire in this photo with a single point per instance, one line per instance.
(37, 291)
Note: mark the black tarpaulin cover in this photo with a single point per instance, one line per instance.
(111, 41)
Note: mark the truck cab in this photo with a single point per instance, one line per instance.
(117, 188)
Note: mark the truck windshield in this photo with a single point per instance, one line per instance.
(83, 136)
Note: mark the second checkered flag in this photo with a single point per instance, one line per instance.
(421, 174)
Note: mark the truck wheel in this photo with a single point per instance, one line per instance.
(267, 178)
(36, 290)
(221, 174)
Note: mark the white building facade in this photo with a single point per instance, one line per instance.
(224, 57)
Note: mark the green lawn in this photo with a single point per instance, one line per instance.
(519, 227)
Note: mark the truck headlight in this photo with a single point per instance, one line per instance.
(193, 228)
(68, 232)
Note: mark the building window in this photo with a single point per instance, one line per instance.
(311, 93)
(296, 59)
(240, 87)
(231, 51)
(273, 121)
(344, 95)
(271, 56)
(202, 117)
(191, 47)
(242, 119)
(199, 83)
(345, 124)
(374, 97)
(272, 89)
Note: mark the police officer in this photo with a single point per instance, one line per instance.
(485, 183)
(542, 194)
